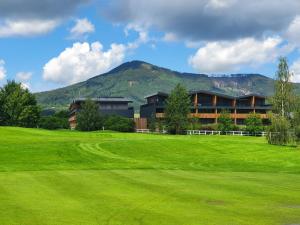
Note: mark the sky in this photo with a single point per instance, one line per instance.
(48, 44)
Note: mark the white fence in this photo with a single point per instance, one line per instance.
(210, 132)
(147, 131)
(142, 130)
(234, 133)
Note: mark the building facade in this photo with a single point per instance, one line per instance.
(107, 106)
(207, 106)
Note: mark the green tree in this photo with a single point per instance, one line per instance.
(89, 118)
(53, 123)
(279, 132)
(253, 123)
(18, 107)
(177, 109)
(152, 123)
(224, 121)
(283, 101)
(119, 123)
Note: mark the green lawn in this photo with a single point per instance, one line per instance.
(75, 178)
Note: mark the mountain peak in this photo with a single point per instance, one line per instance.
(136, 64)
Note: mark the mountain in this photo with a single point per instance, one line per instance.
(137, 79)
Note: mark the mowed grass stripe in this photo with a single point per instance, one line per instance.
(94, 197)
(64, 177)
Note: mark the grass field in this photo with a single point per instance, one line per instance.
(75, 178)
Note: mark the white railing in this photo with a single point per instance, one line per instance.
(142, 130)
(148, 131)
(234, 133)
(208, 132)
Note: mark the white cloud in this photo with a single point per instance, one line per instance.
(24, 78)
(33, 18)
(295, 69)
(293, 32)
(227, 56)
(142, 38)
(82, 28)
(25, 85)
(83, 61)
(9, 28)
(2, 70)
(170, 37)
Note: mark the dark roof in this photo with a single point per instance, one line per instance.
(212, 93)
(250, 95)
(105, 99)
(157, 93)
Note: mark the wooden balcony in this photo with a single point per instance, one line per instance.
(214, 115)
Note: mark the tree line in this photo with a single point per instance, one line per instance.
(19, 108)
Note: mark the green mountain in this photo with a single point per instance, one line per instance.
(137, 79)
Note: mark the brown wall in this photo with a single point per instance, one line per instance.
(140, 123)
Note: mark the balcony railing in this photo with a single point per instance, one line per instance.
(217, 115)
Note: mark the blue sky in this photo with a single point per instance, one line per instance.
(50, 44)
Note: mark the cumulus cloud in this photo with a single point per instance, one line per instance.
(34, 17)
(295, 69)
(82, 28)
(2, 70)
(142, 38)
(293, 32)
(218, 57)
(10, 28)
(209, 20)
(83, 61)
(24, 78)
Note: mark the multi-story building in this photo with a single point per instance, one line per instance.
(207, 106)
(107, 106)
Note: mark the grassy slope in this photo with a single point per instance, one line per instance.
(110, 178)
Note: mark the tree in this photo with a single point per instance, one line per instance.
(284, 99)
(18, 107)
(89, 118)
(224, 121)
(119, 123)
(279, 132)
(177, 109)
(53, 123)
(284, 107)
(253, 123)
(58, 120)
(152, 123)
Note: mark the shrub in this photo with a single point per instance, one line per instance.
(194, 124)
(225, 122)
(118, 123)
(253, 123)
(152, 123)
(53, 123)
(279, 132)
(211, 127)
